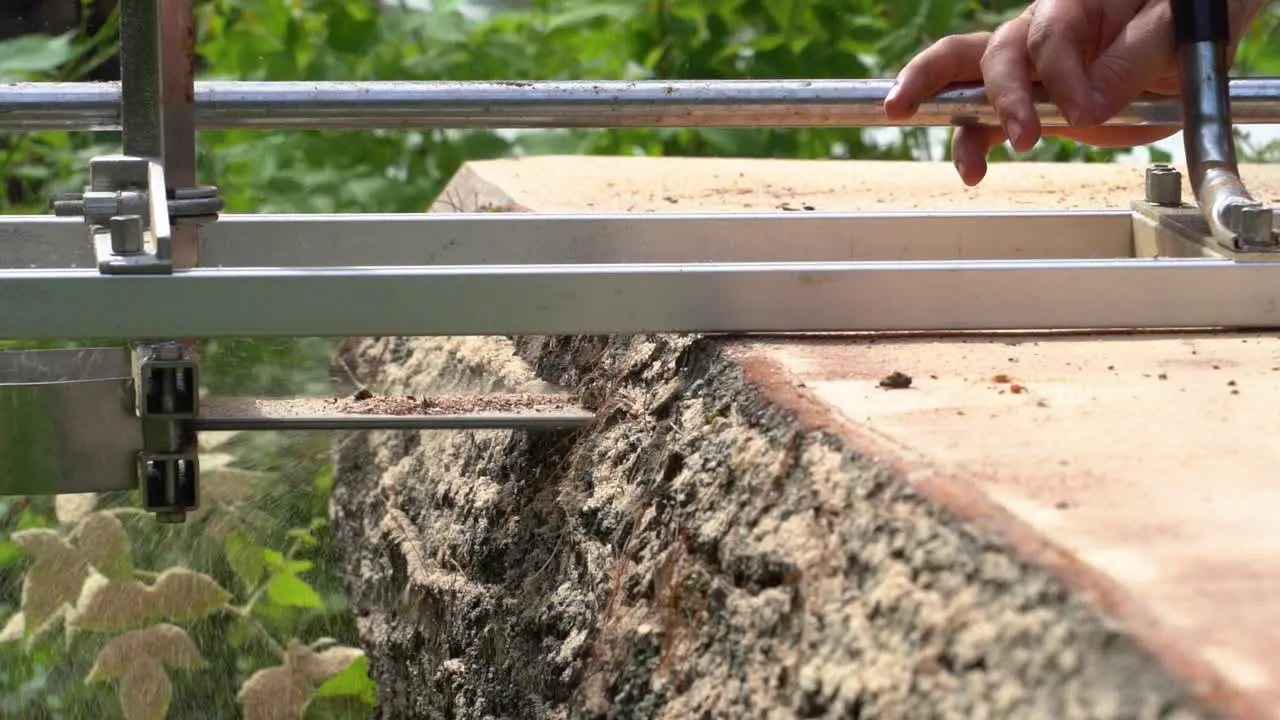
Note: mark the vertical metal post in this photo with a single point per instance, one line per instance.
(178, 113)
(158, 120)
(140, 91)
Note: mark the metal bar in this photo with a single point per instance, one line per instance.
(141, 121)
(627, 299)
(66, 422)
(566, 104)
(237, 241)
(177, 37)
(224, 414)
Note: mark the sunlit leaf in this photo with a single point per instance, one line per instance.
(245, 558)
(53, 582)
(288, 589)
(104, 544)
(145, 691)
(276, 693)
(354, 681)
(181, 595)
(167, 643)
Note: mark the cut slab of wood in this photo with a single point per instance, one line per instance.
(1138, 467)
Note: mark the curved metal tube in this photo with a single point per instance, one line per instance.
(1235, 218)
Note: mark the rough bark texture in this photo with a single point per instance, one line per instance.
(694, 554)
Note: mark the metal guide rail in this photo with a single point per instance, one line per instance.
(145, 254)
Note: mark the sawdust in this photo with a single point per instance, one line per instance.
(448, 404)
(365, 403)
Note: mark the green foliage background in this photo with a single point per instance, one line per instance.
(404, 171)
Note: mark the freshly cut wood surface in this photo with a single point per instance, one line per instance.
(551, 184)
(1124, 455)
(1071, 526)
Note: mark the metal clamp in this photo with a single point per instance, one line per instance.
(166, 376)
(1238, 221)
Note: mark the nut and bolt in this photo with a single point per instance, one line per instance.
(1164, 185)
(1252, 224)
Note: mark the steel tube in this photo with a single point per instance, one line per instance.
(630, 299)
(570, 104)
(344, 240)
(177, 36)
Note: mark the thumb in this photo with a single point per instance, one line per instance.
(1141, 56)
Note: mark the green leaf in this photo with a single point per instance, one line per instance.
(30, 55)
(589, 12)
(303, 536)
(10, 553)
(245, 558)
(354, 681)
(289, 589)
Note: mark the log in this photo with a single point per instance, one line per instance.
(756, 529)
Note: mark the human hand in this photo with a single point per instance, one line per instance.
(1093, 57)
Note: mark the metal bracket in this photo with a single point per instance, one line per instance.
(166, 376)
(130, 214)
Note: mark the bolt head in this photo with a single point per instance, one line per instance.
(1254, 223)
(1164, 185)
(126, 234)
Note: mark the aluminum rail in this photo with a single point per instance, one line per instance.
(568, 104)
(630, 299)
(362, 240)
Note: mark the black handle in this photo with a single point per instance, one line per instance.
(1197, 21)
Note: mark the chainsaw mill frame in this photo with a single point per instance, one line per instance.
(147, 241)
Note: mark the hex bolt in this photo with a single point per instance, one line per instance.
(1164, 186)
(126, 234)
(1254, 227)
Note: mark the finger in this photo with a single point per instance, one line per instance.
(1007, 75)
(1115, 137)
(970, 146)
(1139, 57)
(952, 59)
(1057, 36)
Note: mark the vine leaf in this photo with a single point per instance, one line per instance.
(145, 691)
(165, 642)
(244, 557)
(73, 507)
(110, 605)
(179, 595)
(104, 543)
(137, 659)
(285, 587)
(14, 628)
(60, 570)
(318, 667)
(283, 692)
(53, 581)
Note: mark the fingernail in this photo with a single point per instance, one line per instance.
(893, 92)
(959, 164)
(1075, 115)
(1014, 130)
